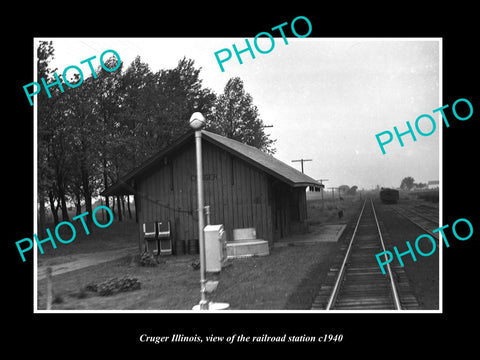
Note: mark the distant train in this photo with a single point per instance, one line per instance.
(389, 196)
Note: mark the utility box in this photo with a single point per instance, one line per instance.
(215, 247)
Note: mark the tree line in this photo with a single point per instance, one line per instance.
(408, 183)
(89, 136)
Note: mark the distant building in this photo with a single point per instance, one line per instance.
(433, 184)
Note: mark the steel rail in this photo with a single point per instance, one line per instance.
(417, 214)
(396, 298)
(421, 215)
(417, 224)
(342, 268)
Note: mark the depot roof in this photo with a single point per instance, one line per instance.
(250, 154)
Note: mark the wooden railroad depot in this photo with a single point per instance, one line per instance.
(243, 186)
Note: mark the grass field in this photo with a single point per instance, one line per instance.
(289, 278)
(259, 283)
(116, 236)
(325, 211)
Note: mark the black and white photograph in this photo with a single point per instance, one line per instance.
(299, 191)
(211, 182)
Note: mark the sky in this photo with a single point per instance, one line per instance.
(326, 98)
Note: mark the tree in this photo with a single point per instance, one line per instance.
(45, 54)
(407, 183)
(157, 106)
(91, 135)
(112, 126)
(236, 117)
(83, 143)
(352, 190)
(139, 108)
(420, 185)
(180, 93)
(53, 165)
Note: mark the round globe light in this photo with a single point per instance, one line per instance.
(197, 120)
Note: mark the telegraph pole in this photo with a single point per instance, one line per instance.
(322, 180)
(333, 192)
(302, 161)
(321, 189)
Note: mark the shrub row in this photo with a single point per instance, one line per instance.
(431, 196)
(114, 286)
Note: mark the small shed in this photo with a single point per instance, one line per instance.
(244, 187)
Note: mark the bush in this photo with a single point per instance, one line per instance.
(114, 286)
(148, 260)
(57, 299)
(195, 264)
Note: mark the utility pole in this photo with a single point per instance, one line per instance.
(333, 193)
(321, 189)
(322, 180)
(302, 161)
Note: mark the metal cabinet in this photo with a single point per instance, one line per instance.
(215, 247)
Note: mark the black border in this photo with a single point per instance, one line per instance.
(90, 333)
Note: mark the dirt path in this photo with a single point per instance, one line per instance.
(63, 264)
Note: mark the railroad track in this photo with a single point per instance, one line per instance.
(356, 282)
(425, 222)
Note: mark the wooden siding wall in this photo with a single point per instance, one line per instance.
(238, 194)
(289, 210)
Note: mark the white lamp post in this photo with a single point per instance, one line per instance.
(197, 122)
